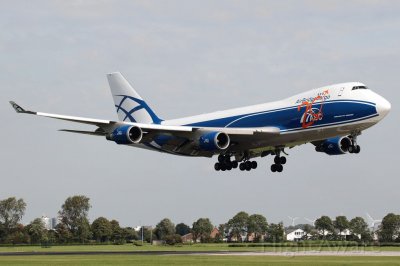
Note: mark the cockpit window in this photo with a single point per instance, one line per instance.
(359, 88)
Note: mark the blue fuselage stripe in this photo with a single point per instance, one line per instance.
(293, 118)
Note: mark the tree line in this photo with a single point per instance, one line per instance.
(75, 227)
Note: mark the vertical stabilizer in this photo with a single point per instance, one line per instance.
(130, 106)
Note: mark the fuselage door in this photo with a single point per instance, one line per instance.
(341, 91)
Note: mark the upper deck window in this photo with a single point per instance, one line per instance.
(359, 88)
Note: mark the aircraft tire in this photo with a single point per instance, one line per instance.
(248, 165)
(277, 159)
(358, 149)
(254, 164)
(282, 160)
(351, 149)
(242, 167)
(273, 168)
(279, 168)
(217, 166)
(235, 164)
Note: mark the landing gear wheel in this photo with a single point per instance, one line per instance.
(242, 167)
(277, 160)
(248, 165)
(282, 160)
(228, 166)
(279, 168)
(235, 164)
(221, 158)
(253, 164)
(223, 167)
(217, 166)
(357, 149)
(351, 149)
(273, 168)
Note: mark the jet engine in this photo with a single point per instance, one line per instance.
(126, 135)
(334, 146)
(213, 141)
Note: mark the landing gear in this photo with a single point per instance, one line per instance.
(225, 164)
(276, 168)
(248, 165)
(354, 148)
(278, 161)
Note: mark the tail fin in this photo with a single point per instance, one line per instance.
(130, 106)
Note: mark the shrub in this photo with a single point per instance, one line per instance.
(173, 239)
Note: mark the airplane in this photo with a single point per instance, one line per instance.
(330, 117)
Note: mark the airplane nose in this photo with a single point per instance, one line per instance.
(383, 107)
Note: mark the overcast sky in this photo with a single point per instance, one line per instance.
(186, 58)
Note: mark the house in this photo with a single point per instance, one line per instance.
(214, 232)
(295, 234)
(188, 238)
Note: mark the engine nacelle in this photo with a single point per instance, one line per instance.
(126, 135)
(335, 146)
(214, 141)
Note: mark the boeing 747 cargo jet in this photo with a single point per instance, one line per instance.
(331, 118)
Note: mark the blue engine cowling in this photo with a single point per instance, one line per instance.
(334, 146)
(213, 141)
(126, 135)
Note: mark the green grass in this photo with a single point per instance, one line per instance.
(195, 260)
(197, 247)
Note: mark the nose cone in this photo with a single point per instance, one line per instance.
(383, 107)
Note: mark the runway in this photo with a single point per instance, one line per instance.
(211, 253)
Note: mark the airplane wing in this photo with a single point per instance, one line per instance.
(189, 133)
(106, 126)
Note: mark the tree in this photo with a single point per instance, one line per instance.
(74, 214)
(182, 229)
(164, 228)
(202, 229)
(63, 235)
(101, 229)
(238, 225)
(275, 232)
(11, 212)
(389, 228)
(341, 223)
(222, 232)
(129, 234)
(18, 235)
(359, 227)
(257, 225)
(173, 239)
(307, 231)
(324, 224)
(36, 230)
(116, 232)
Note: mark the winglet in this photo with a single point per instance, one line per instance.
(19, 109)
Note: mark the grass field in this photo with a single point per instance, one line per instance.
(195, 260)
(197, 247)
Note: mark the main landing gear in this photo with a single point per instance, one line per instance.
(225, 164)
(279, 161)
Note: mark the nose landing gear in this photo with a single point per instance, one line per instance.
(354, 148)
